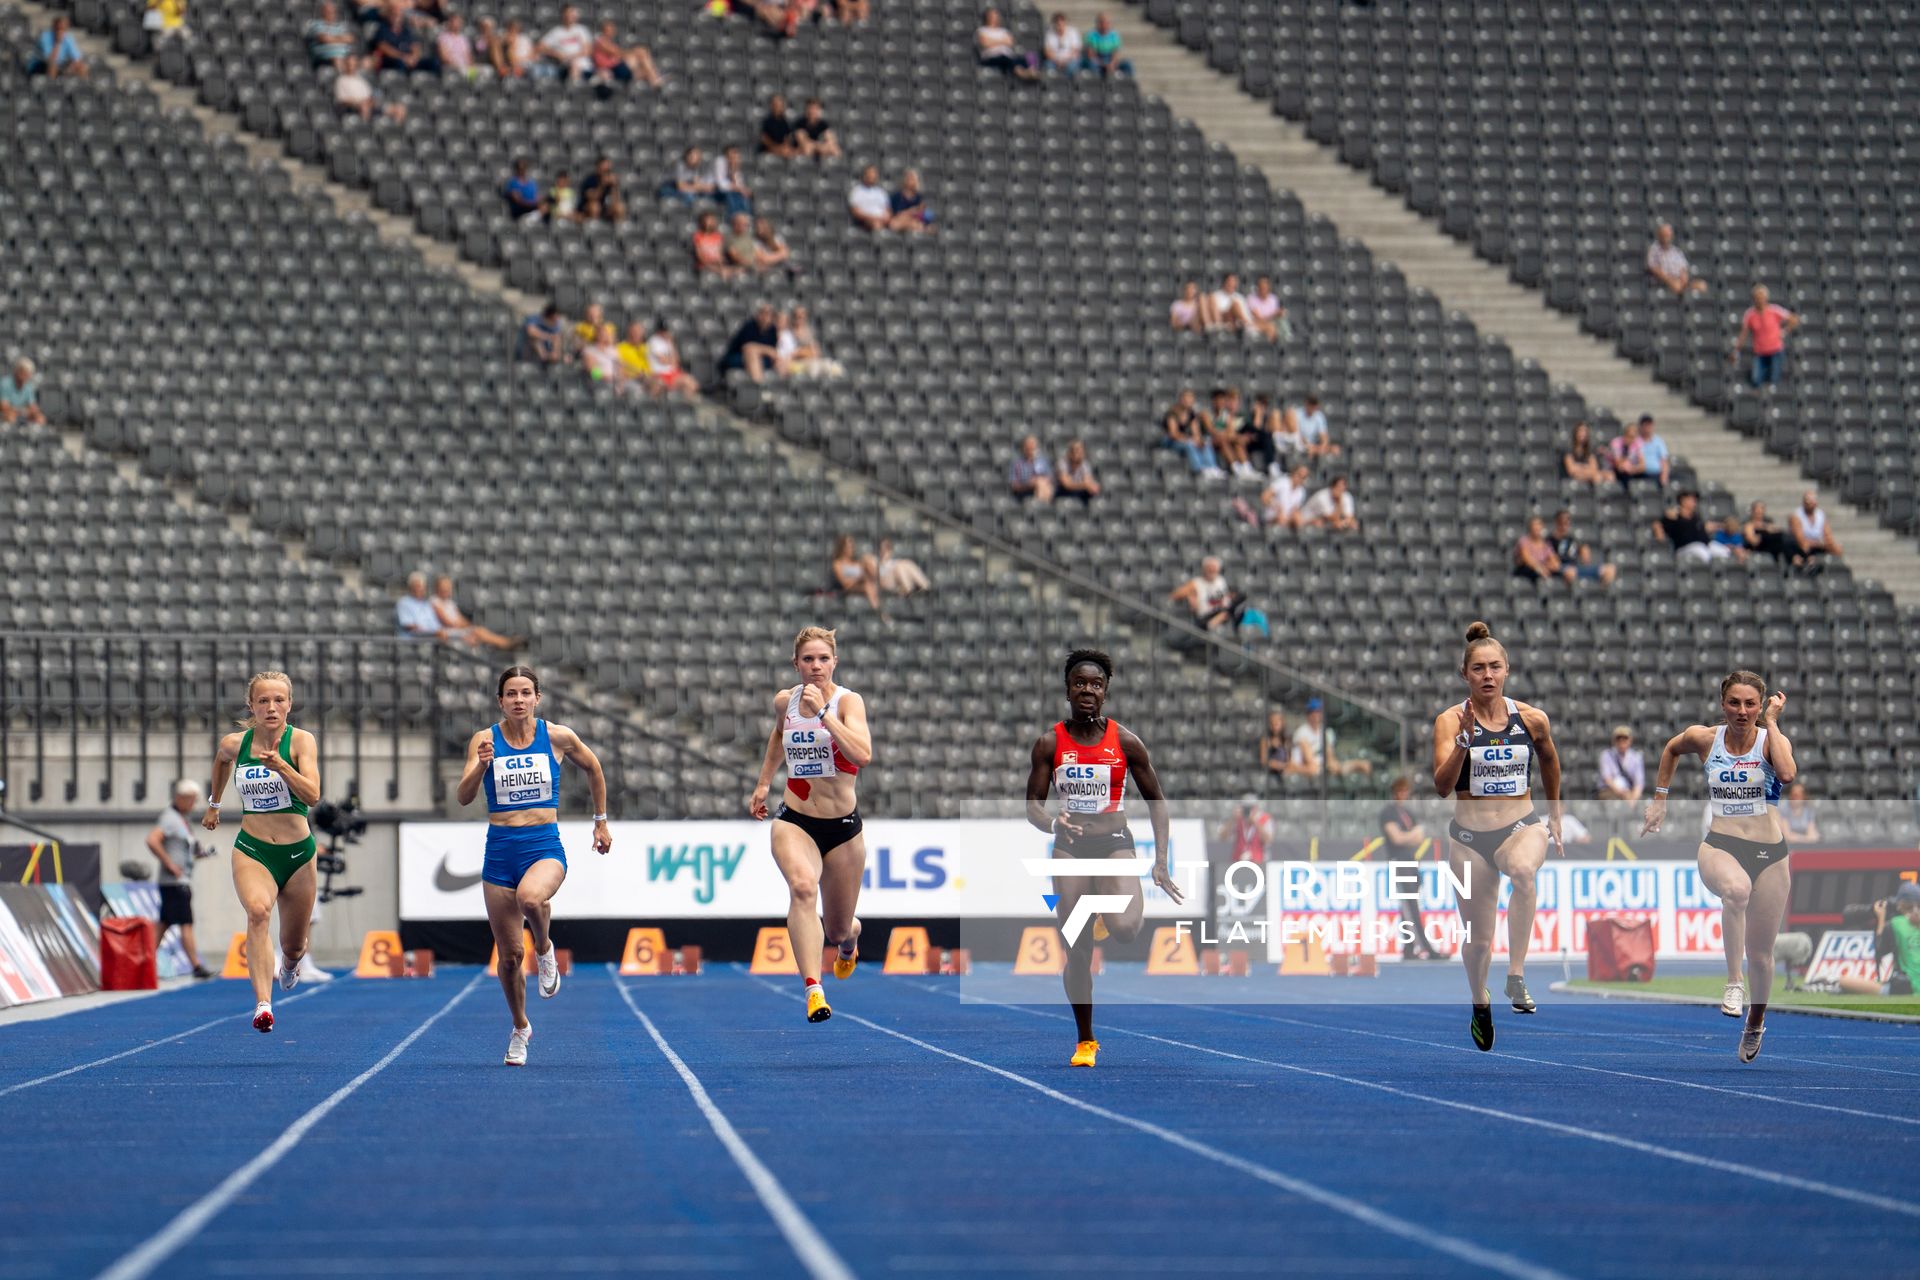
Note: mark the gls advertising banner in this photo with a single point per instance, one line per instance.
(669, 870)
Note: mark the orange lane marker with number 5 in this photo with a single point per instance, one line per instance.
(773, 952)
(380, 955)
(1041, 951)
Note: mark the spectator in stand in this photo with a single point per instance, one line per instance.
(1764, 327)
(1313, 747)
(1223, 432)
(743, 251)
(754, 345)
(1310, 420)
(797, 353)
(455, 48)
(1641, 455)
(1581, 463)
(855, 574)
(1256, 436)
(1268, 316)
(1289, 446)
(1276, 744)
(1796, 816)
(1213, 604)
(353, 94)
(166, 20)
(730, 183)
(1405, 837)
(20, 395)
(663, 364)
(1576, 557)
(516, 52)
(522, 194)
(413, 613)
(1188, 312)
(1762, 535)
(1623, 771)
(1811, 534)
(601, 357)
(777, 130)
(1533, 556)
(1186, 433)
(1331, 508)
(908, 207)
(172, 844)
(1103, 49)
(566, 51)
(397, 46)
(633, 370)
(1691, 536)
(868, 202)
(542, 340)
(563, 199)
(328, 38)
(994, 46)
(614, 62)
(898, 575)
(1668, 265)
(58, 53)
(455, 625)
(1228, 306)
(600, 198)
(1285, 497)
(851, 13)
(587, 331)
(1062, 48)
(1030, 475)
(814, 136)
(690, 181)
(1076, 475)
(770, 249)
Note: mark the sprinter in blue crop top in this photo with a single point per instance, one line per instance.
(517, 761)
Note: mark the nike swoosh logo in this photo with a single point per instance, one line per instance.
(447, 882)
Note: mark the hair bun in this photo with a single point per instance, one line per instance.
(1478, 631)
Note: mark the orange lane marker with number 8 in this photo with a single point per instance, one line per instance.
(380, 955)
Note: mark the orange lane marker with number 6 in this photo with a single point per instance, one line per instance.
(773, 952)
(646, 952)
(236, 966)
(1172, 951)
(1041, 951)
(380, 955)
(908, 951)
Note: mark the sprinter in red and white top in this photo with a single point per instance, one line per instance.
(820, 732)
(1087, 759)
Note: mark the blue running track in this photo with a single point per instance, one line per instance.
(697, 1126)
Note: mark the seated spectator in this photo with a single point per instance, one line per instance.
(993, 45)
(1268, 316)
(754, 345)
(600, 198)
(563, 199)
(1188, 312)
(601, 357)
(1691, 536)
(1764, 327)
(512, 54)
(1223, 432)
(455, 625)
(1581, 463)
(908, 207)
(587, 331)
(1103, 49)
(1186, 433)
(743, 251)
(1076, 474)
(1533, 556)
(1313, 747)
(868, 202)
(1227, 306)
(616, 63)
(854, 574)
(413, 613)
(455, 48)
(1641, 455)
(730, 183)
(1284, 498)
(771, 250)
(1062, 50)
(1331, 508)
(1668, 265)
(898, 575)
(353, 94)
(566, 51)
(663, 364)
(814, 136)
(1030, 475)
(20, 395)
(1796, 816)
(709, 247)
(522, 194)
(690, 181)
(1811, 535)
(1283, 427)
(1256, 436)
(542, 340)
(1623, 771)
(634, 370)
(1213, 604)
(396, 46)
(1276, 744)
(1577, 560)
(166, 20)
(58, 53)
(1311, 422)
(777, 130)
(799, 353)
(1762, 535)
(851, 13)
(328, 38)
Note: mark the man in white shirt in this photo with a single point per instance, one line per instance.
(1313, 744)
(1212, 602)
(353, 94)
(569, 46)
(1310, 420)
(1811, 534)
(1285, 497)
(1667, 264)
(1623, 773)
(869, 202)
(1064, 49)
(1331, 508)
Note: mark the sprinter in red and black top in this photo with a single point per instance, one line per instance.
(1088, 759)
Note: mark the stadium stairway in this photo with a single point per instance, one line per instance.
(1281, 149)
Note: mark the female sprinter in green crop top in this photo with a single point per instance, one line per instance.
(276, 769)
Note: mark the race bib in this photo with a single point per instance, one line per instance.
(1739, 791)
(261, 789)
(1498, 771)
(1084, 788)
(810, 753)
(525, 778)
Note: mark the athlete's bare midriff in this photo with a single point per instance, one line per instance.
(833, 797)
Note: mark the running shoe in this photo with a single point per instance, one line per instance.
(263, 1016)
(1083, 1053)
(201, 971)
(289, 974)
(311, 972)
(1100, 931)
(517, 1045)
(849, 955)
(817, 1010)
(1518, 993)
(1750, 1042)
(1482, 1024)
(1734, 1002)
(549, 965)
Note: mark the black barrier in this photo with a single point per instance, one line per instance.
(54, 862)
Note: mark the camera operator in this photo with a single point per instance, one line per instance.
(1896, 930)
(172, 844)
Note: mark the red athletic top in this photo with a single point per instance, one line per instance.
(1090, 779)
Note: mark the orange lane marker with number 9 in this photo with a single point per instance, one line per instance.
(236, 966)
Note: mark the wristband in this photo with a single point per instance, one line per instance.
(1659, 791)
(214, 805)
(599, 817)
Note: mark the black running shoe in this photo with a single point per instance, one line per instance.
(1517, 992)
(1482, 1024)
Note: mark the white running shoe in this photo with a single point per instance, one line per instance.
(263, 1016)
(1734, 1002)
(517, 1045)
(1750, 1042)
(289, 975)
(311, 972)
(549, 971)
(1213, 473)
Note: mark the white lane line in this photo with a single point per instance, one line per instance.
(815, 1254)
(1868, 1198)
(164, 1243)
(151, 1044)
(1505, 1264)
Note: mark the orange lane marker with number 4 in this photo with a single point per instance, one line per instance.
(1041, 951)
(380, 955)
(1172, 951)
(773, 952)
(236, 966)
(907, 951)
